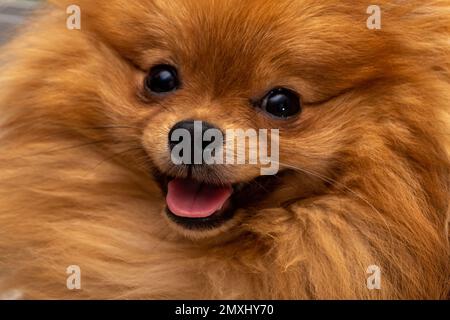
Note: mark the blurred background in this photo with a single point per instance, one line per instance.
(12, 14)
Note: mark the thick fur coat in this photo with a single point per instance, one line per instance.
(366, 164)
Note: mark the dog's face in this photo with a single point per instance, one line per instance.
(312, 70)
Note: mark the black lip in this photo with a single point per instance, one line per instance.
(211, 222)
(245, 195)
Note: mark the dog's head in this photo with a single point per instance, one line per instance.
(310, 73)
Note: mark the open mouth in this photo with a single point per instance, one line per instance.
(197, 205)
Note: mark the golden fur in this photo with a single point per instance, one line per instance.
(370, 151)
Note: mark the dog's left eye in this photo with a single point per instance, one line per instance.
(282, 103)
(162, 79)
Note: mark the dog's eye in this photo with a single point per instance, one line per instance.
(162, 79)
(282, 103)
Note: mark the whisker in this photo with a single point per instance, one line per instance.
(341, 186)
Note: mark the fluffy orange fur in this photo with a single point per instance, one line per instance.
(368, 161)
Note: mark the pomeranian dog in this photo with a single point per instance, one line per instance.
(87, 181)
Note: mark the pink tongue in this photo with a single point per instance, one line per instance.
(190, 199)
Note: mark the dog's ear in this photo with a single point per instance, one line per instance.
(122, 24)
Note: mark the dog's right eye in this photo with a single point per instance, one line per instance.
(162, 79)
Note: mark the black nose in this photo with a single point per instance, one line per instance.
(196, 130)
